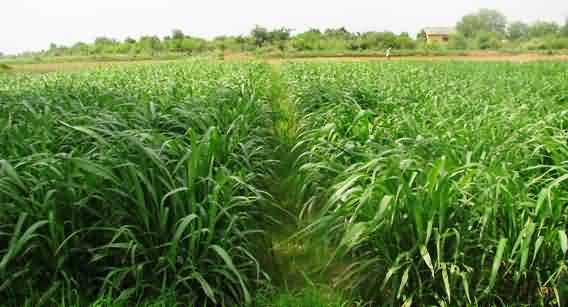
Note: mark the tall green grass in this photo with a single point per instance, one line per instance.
(440, 183)
(430, 183)
(130, 183)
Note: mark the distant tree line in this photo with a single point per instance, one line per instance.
(260, 39)
(485, 29)
(489, 29)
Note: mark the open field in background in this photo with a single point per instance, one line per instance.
(74, 66)
(70, 64)
(308, 183)
(474, 57)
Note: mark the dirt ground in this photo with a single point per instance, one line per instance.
(73, 66)
(480, 57)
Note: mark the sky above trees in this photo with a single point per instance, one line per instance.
(33, 24)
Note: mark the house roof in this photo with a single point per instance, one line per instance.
(439, 30)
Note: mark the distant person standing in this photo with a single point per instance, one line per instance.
(388, 53)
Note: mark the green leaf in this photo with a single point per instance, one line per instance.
(426, 256)
(407, 302)
(229, 262)
(389, 274)
(382, 208)
(537, 246)
(205, 286)
(465, 283)
(353, 235)
(496, 264)
(563, 241)
(447, 283)
(99, 138)
(403, 281)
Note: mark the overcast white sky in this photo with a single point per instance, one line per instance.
(33, 24)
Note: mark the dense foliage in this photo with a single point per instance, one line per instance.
(441, 184)
(486, 29)
(428, 183)
(133, 183)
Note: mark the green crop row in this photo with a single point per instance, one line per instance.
(131, 183)
(441, 184)
(429, 183)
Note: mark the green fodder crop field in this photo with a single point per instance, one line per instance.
(441, 183)
(427, 183)
(129, 183)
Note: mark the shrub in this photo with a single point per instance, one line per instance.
(457, 41)
(553, 43)
(488, 41)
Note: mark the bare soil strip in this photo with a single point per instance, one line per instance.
(475, 56)
(479, 57)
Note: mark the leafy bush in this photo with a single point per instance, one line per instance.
(551, 43)
(457, 41)
(488, 41)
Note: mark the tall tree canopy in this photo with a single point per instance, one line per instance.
(518, 31)
(564, 30)
(543, 28)
(484, 21)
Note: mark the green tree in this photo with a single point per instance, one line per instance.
(488, 40)
(104, 45)
(102, 40)
(309, 40)
(543, 28)
(80, 48)
(517, 31)
(260, 36)
(404, 41)
(176, 40)
(124, 48)
(421, 37)
(280, 37)
(469, 25)
(376, 40)
(150, 44)
(242, 42)
(486, 20)
(177, 34)
(194, 45)
(341, 32)
(221, 43)
(564, 29)
(552, 43)
(493, 21)
(457, 41)
(281, 34)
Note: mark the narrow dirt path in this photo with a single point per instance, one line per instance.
(299, 260)
(473, 57)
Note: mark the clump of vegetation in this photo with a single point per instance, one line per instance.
(152, 185)
(127, 184)
(4, 67)
(438, 193)
(311, 296)
(483, 30)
